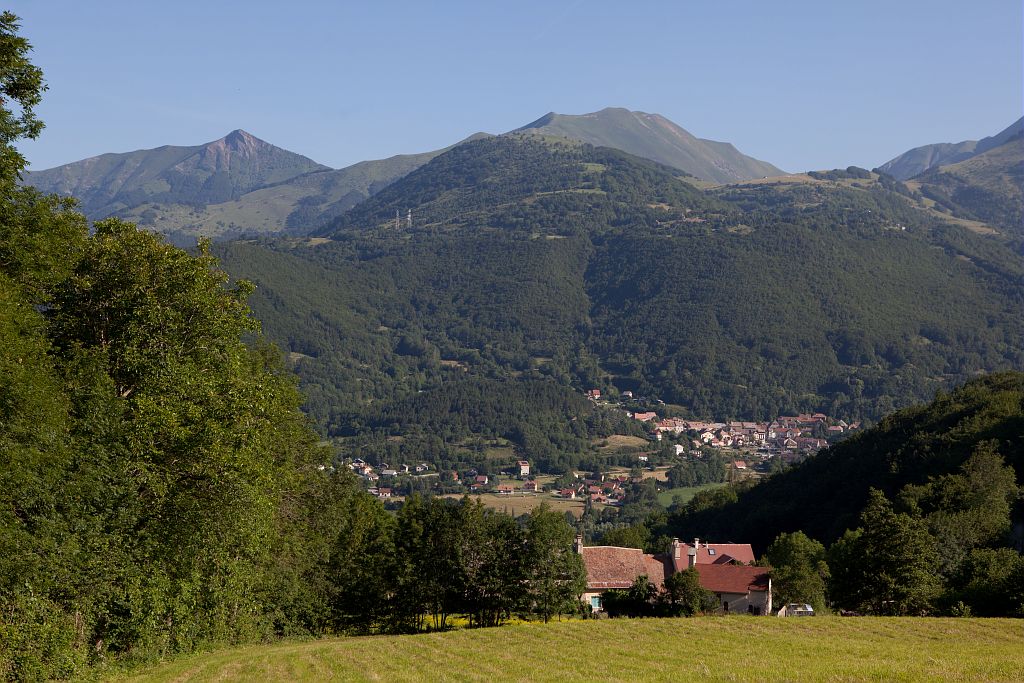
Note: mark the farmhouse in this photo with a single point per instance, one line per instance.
(738, 588)
(611, 567)
(524, 468)
(711, 553)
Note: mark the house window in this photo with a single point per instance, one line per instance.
(595, 602)
(711, 551)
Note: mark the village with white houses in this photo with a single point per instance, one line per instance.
(750, 447)
(787, 436)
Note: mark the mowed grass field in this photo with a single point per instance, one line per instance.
(519, 503)
(738, 648)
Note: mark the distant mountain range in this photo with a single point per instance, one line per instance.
(921, 159)
(241, 185)
(654, 137)
(215, 172)
(236, 185)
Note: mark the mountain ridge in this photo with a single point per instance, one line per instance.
(987, 186)
(920, 159)
(667, 142)
(211, 172)
(240, 185)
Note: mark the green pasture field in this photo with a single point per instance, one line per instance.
(685, 492)
(518, 503)
(738, 648)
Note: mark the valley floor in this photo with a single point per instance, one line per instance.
(709, 648)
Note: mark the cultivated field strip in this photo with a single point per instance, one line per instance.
(713, 649)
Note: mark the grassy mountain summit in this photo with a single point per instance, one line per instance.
(654, 137)
(920, 159)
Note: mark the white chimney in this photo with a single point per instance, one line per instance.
(577, 547)
(677, 549)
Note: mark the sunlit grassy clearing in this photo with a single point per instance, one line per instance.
(735, 648)
(686, 493)
(519, 504)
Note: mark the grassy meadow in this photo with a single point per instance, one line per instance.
(519, 503)
(736, 648)
(686, 493)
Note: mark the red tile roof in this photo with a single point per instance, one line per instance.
(611, 567)
(730, 578)
(723, 553)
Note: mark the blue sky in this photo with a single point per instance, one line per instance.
(803, 85)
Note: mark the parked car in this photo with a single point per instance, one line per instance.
(796, 609)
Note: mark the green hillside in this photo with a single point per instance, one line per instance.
(824, 495)
(530, 259)
(256, 188)
(707, 649)
(654, 137)
(294, 206)
(525, 183)
(987, 187)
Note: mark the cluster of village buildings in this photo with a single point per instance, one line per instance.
(785, 436)
(472, 480)
(724, 569)
(788, 436)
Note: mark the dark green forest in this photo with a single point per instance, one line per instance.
(530, 260)
(922, 514)
(824, 495)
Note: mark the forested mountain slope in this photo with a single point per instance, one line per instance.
(530, 258)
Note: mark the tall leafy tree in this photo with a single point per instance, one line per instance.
(557, 577)
(683, 596)
(969, 508)
(888, 566)
(361, 570)
(799, 570)
(492, 555)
